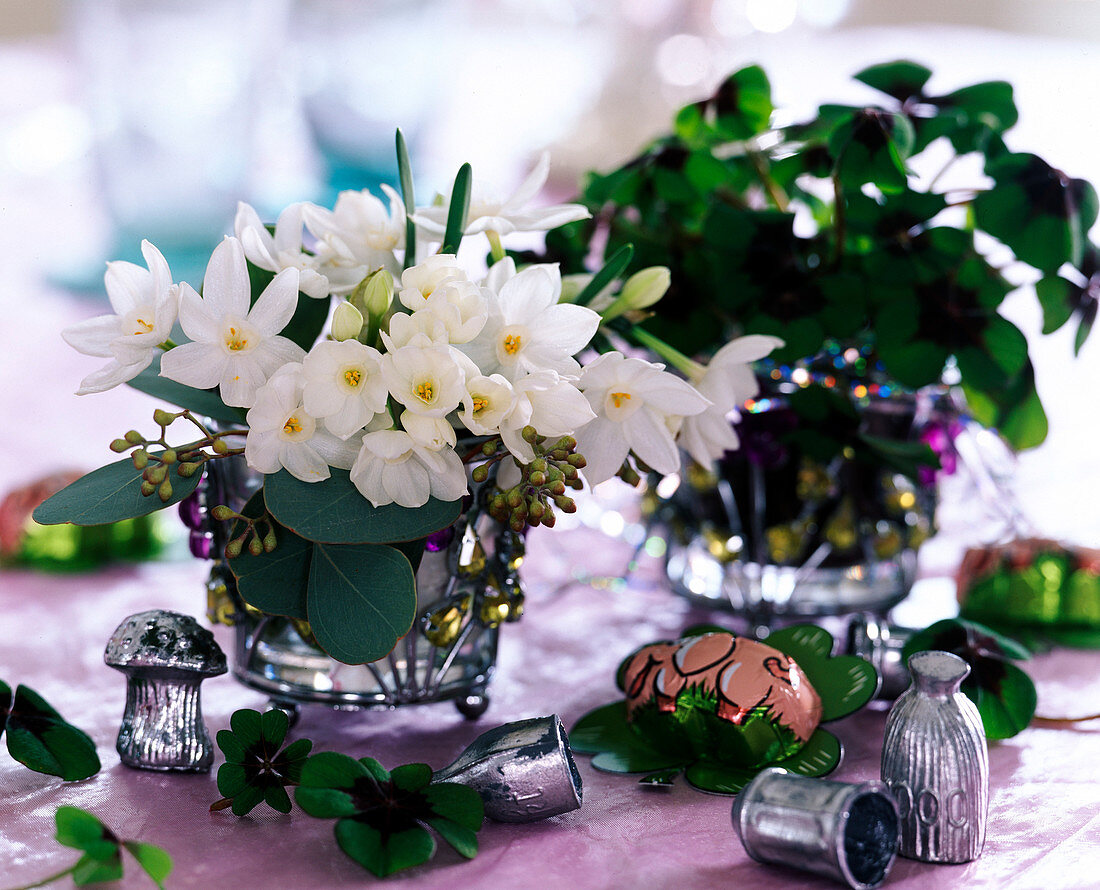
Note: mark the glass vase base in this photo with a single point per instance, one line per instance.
(765, 592)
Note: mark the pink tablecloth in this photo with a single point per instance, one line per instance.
(1044, 827)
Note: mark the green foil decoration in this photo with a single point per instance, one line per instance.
(1036, 590)
(719, 708)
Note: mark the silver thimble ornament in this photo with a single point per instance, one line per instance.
(935, 763)
(847, 832)
(523, 771)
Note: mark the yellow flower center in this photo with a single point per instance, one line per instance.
(425, 392)
(619, 397)
(512, 343)
(292, 425)
(143, 327)
(353, 376)
(236, 341)
(480, 404)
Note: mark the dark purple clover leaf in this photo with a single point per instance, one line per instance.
(257, 768)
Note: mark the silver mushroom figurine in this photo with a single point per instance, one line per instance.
(165, 656)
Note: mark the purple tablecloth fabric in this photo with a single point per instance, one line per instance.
(1044, 829)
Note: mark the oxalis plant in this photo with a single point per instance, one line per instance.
(101, 852)
(385, 818)
(368, 429)
(858, 229)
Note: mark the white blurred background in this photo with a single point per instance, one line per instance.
(124, 119)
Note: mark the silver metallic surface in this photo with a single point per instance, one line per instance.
(165, 656)
(848, 832)
(881, 644)
(523, 771)
(935, 762)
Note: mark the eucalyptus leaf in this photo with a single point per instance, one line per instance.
(204, 402)
(334, 512)
(110, 494)
(361, 600)
(274, 582)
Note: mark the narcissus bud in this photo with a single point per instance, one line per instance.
(347, 322)
(642, 289)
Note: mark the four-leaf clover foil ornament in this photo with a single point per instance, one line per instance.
(720, 708)
(383, 816)
(257, 768)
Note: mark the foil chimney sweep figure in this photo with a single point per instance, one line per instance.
(935, 762)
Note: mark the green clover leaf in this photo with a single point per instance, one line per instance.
(39, 737)
(102, 851)
(256, 767)
(1003, 693)
(383, 816)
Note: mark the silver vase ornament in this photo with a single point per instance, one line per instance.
(165, 656)
(845, 831)
(523, 771)
(935, 762)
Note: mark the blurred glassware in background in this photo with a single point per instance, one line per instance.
(174, 90)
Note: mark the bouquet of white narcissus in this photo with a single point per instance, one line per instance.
(367, 432)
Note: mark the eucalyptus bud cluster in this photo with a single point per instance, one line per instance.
(252, 536)
(542, 486)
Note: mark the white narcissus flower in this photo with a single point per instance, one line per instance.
(356, 237)
(232, 346)
(344, 385)
(393, 468)
(427, 380)
(487, 401)
(727, 382)
(283, 435)
(432, 433)
(417, 329)
(637, 405)
(283, 250)
(549, 403)
(145, 302)
(420, 281)
(460, 306)
(489, 213)
(528, 330)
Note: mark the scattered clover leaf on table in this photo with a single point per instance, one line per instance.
(1004, 694)
(255, 768)
(102, 849)
(39, 737)
(383, 817)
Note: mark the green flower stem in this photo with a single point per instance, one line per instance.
(50, 879)
(775, 192)
(840, 222)
(673, 356)
(496, 249)
(167, 344)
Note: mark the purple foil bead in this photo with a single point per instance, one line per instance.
(202, 544)
(192, 512)
(440, 540)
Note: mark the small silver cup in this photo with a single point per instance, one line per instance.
(523, 771)
(848, 832)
